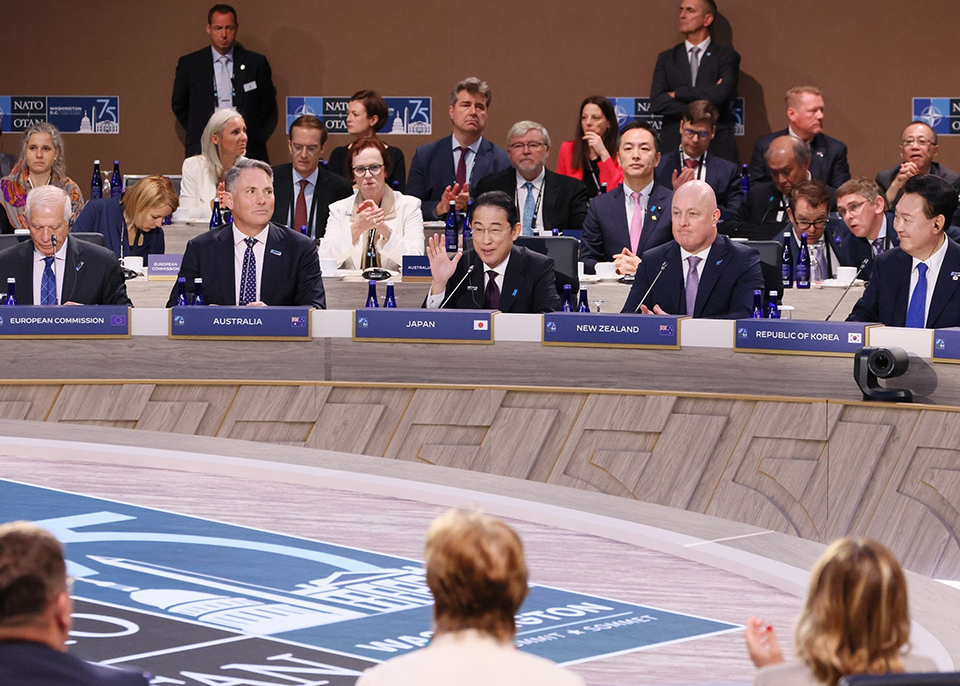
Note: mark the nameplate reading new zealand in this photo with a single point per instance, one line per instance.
(263, 323)
(946, 345)
(800, 337)
(423, 326)
(619, 330)
(65, 321)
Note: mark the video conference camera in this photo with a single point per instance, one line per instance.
(871, 364)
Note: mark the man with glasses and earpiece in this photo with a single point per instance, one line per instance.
(809, 213)
(918, 148)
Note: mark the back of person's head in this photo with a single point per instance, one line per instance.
(474, 86)
(855, 619)
(814, 192)
(60, 161)
(309, 121)
(799, 149)
(477, 574)
(701, 112)
(149, 192)
(939, 197)
(374, 105)
(362, 144)
(234, 172)
(48, 197)
(859, 185)
(215, 125)
(498, 199)
(646, 126)
(32, 573)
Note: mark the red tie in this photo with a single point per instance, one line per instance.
(691, 163)
(300, 211)
(462, 167)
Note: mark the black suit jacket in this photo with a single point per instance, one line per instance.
(528, 285)
(605, 230)
(730, 275)
(887, 295)
(193, 97)
(27, 663)
(290, 273)
(828, 163)
(723, 176)
(717, 78)
(432, 170)
(756, 218)
(563, 205)
(329, 189)
(92, 274)
(337, 164)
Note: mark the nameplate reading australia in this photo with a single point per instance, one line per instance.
(65, 321)
(946, 345)
(423, 326)
(239, 323)
(800, 337)
(163, 267)
(612, 330)
(416, 268)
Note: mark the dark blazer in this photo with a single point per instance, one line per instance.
(606, 232)
(330, 188)
(105, 216)
(828, 163)
(563, 205)
(852, 250)
(337, 164)
(886, 177)
(722, 175)
(756, 218)
(432, 170)
(193, 97)
(26, 663)
(730, 276)
(528, 285)
(92, 274)
(717, 78)
(290, 276)
(887, 295)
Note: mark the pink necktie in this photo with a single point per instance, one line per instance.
(636, 224)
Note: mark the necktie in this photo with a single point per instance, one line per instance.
(529, 207)
(694, 65)
(224, 85)
(693, 283)
(916, 312)
(462, 167)
(636, 223)
(878, 245)
(300, 211)
(248, 277)
(819, 262)
(491, 294)
(48, 283)
(691, 163)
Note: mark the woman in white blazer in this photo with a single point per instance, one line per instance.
(224, 142)
(395, 219)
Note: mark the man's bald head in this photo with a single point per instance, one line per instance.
(695, 216)
(788, 160)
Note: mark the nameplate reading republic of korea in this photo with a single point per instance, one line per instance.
(65, 321)
(797, 337)
(946, 345)
(238, 323)
(416, 268)
(163, 267)
(612, 330)
(423, 326)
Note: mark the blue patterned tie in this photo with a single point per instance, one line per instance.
(529, 207)
(48, 283)
(916, 313)
(248, 277)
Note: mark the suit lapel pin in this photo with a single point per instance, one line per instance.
(819, 153)
(79, 265)
(242, 67)
(719, 261)
(514, 293)
(955, 276)
(653, 212)
(274, 251)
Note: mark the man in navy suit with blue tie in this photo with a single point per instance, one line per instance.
(917, 285)
(634, 216)
(442, 171)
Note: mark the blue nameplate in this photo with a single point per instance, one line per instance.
(416, 268)
(946, 345)
(611, 330)
(800, 337)
(163, 267)
(254, 323)
(423, 326)
(65, 321)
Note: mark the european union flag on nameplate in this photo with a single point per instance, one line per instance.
(118, 320)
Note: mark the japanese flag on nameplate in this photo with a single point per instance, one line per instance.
(480, 324)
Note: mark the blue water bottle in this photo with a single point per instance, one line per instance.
(96, 183)
(567, 298)
(372, 294)
(467, 229)
(786, 262)
(198, 299)
(583, 305)
(181, 292)
(215, 219)
(305, 230)
(803, 264)
(744, 180)
(773, 312)
(450, 229)
(389, 300)
(11, 298)
(757, 311)
(116, 181)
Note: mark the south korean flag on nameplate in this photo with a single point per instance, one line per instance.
(480, 324)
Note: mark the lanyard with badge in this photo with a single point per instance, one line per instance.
(536, 205)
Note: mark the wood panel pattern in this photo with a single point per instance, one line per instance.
(818, 469)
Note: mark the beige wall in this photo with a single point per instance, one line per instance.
(541, 58)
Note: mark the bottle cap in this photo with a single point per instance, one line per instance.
(198, 280)
(389, 283)
(96, 161)
(11, 280)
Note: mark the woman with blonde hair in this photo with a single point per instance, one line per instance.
(224, 142)
(855, 621)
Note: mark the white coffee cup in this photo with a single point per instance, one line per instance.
(328, 266)
(580, 272)
(846, 274)
(606, 269)
(133, 262)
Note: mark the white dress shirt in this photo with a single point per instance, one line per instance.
(224, 95)
(240, 249)
(700, 171)
(59, 267)
(471, 158)
(703, 255)
(434, 301)
(644, 200)
(934, 262)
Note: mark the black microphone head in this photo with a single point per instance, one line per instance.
(863, 265)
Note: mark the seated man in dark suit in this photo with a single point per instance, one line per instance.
(809, 213)
(869, 229)
(705, 274)
(252, 261)
(508, 278)
(805, 112)
(303, 190)
(545, 200)
(697, 128)
(36, 616)
(443, 170)
(763, 216)
(635, 216)
(54, 269)
(899, 291)
(918, 148)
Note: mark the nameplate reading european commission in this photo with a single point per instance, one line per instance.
(946, 345)
(163, 267)
(241, 323)
(795, 337)
(612, 330)
(416, 268)
(423, 326)
(65, 321)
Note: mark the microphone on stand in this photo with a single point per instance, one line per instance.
(849, 286)
(652, 284)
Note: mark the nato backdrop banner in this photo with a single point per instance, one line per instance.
(69, 113)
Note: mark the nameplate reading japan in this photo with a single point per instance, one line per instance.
(423, 326)
(259, 323)
(163, 267)
(65, 321)
(800, 337)
(616, 330)
(946, 345)
(416, 268)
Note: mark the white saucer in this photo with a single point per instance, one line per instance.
(837, 283)
(589, 278)
(609, 279)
